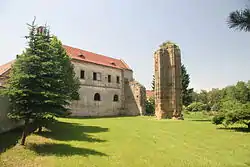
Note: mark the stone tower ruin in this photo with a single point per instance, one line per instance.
(167, 69)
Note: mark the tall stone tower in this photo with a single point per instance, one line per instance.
(167, 66)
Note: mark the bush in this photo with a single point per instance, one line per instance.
(150, 106)
(216, 107)
(196, 106)
(233, 112)
(218, 119)
(196, 116)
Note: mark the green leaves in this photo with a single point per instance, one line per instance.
(186, 92)
(233, 112)
(240, 20)
(196, 106)
(150, 106)
(42, 80)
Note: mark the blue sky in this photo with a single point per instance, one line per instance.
(214, 55)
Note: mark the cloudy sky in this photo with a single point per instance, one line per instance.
(214, 55)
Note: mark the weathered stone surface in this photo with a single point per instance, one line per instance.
(167, 68)
(130, 93)
(135, 97)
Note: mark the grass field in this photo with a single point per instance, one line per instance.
(129, 142)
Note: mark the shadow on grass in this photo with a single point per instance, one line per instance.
(10, 139)
(62, 150)
(59, 131)
(100, 117)
(201, 120)
(72, 131)
(236, 129)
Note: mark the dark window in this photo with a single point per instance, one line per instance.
(117, 79)
(98, 76)
(97, 97)
(94, 76)
(109, 78)
(116, 98)
(82, 74)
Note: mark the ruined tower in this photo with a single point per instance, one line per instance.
(167, 66)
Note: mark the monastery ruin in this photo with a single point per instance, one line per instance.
(167, 69)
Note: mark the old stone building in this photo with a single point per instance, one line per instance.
(107, 85)
(168, 103)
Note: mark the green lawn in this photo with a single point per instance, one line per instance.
(129, 142)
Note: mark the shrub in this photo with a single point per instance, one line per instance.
(150, 106)
(216, 107)
(196, 106)
(218, 119)
(232, 113)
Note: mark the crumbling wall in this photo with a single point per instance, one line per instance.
(167, 67)
(135, 98)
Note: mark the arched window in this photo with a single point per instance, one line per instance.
(97, 97)
(116, 98)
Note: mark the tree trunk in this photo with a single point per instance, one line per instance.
(25, 131)
(40, 129)
(248, 124)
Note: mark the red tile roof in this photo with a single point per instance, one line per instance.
(149, 93)
(4, 68)
(82, 55)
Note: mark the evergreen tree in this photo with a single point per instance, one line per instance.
(240, 20)
(153, 83)
(187, 93)
(42, 81)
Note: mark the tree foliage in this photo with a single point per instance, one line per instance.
(42, 80)
(233, 112)
(186, 92)
(150, 106)
(231, 103)
(239, 20)
(153, 83)
(196, 106)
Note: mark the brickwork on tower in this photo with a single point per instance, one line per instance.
(167, 66)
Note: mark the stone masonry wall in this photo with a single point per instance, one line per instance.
(87, 106)
(135, 98)
(130, 94)
(167, 82)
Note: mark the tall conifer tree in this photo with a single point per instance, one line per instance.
(42, 81)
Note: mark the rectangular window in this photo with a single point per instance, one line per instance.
(94, 76)
(82, 75)
(117, 79)
(109, 78)
(98, 76)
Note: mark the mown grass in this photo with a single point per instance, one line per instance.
(129, 142)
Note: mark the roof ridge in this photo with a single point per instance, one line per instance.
(92, 52)
(126, 65)
(6, 67)
(7, 63)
